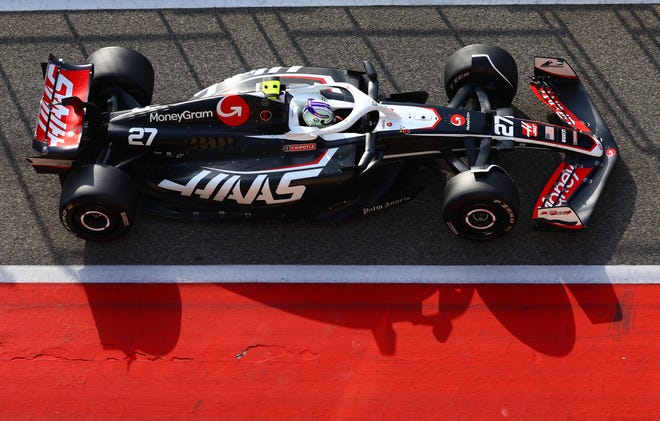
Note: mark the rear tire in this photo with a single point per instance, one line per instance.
(119, 67)
(480, 205)
(501, 83)
(98, 202)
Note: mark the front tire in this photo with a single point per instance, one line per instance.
(98, 203)
(500, 82)
(480, 205)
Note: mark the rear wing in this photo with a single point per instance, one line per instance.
(60, 121)
(569, 198)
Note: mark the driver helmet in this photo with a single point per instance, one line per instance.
(317, 113)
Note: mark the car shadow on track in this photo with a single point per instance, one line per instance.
(540, 316)
(137, 319)
(144, 320)
(366, 306)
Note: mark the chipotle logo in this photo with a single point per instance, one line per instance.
(299, 147)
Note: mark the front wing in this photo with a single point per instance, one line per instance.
(570, 196)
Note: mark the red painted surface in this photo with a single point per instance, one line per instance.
(350, 352)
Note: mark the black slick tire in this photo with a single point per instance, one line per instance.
(499, 81)
(119, 67)
(480, 205)
(98, 202)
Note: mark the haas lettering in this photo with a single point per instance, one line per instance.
(55, 89)
(226, 186)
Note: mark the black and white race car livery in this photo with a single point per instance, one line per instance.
(240, 149)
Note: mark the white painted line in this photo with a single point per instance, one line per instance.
(492, 274)
(27, 5)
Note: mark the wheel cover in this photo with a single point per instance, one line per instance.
(480, 219)
(95, 220)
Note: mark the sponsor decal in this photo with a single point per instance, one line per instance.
(57, 124)
(554, 211)
(560, 216)
(233, 110)
(563, 135)
(179, 117)
(549, 133)
(243, 189)
(458, 120)
(247, 188)
(299, 147)
(549, 98)
(610, 152)
(565, 184)
(265, 115)
(530, 129)
(385, 205)
(57, 90)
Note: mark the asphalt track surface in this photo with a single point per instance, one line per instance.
(613, 48)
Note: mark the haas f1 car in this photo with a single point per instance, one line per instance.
(244, 148)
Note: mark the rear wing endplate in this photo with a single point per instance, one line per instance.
(59, 126)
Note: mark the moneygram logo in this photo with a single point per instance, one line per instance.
(233, 110)
(179, 117)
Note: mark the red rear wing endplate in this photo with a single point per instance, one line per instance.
(59, 127)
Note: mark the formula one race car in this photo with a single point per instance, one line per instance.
(311, 143)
